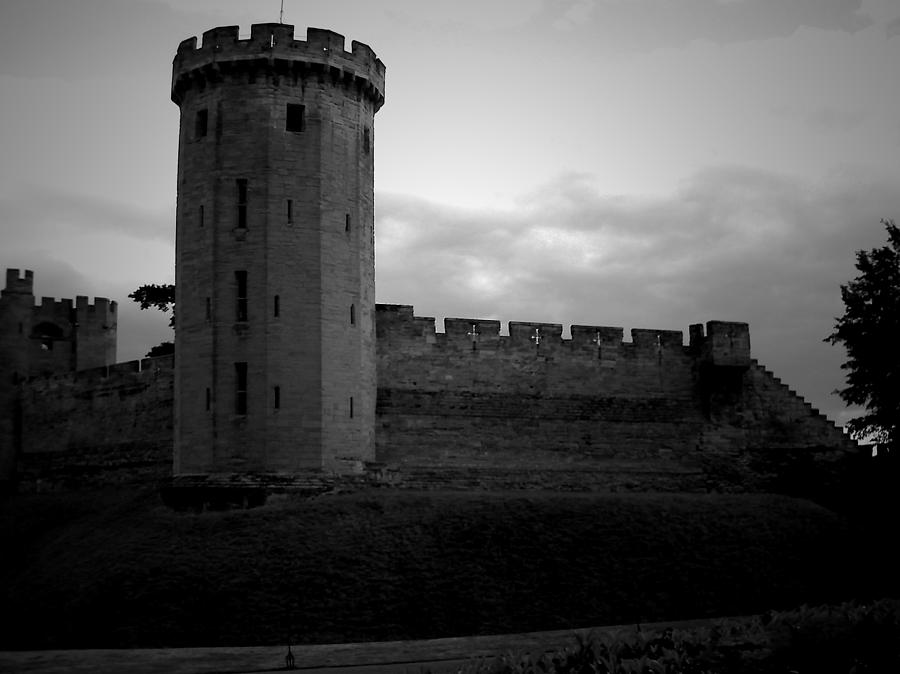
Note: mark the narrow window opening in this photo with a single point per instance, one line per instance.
(296, 118)
(277, 397)
(240, 278)
(366, 140)
(208, 399)
(290, 211)
(202, 218)
(351, 407)
(241, 202)
(20, 328)
(240, 388)
(352, 314)
(200, 123)
(208, 309)
(277, 306)
(347, 223)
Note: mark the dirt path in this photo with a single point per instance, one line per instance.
(435, 655)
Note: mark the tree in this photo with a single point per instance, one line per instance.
(160, 297)
(870, 332)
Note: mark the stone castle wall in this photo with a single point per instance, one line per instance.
(464, 406)
(45, 338)
(104, 425)
(590, 412)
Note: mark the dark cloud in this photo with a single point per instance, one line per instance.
(731, 244)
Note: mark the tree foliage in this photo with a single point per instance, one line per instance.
(162, 297)
(870, 332)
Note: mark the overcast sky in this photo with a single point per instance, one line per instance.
(637, 163)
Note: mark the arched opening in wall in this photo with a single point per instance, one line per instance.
(47, 333)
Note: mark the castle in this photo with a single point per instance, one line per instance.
(285, 367)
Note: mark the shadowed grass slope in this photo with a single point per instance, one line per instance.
(118, 569)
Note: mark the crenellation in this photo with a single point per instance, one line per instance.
(597, 335)
(485, 333)
(727, 344)
(19, 283)
(654, 340)
(272, 46)
(696, 335)
(424, 327)
(522, 333)
(324, 40)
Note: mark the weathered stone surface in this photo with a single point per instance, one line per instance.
(289, 203)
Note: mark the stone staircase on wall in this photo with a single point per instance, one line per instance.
(800, 407)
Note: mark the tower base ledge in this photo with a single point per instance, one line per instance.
(222, 491)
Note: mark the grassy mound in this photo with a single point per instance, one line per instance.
(118, 569)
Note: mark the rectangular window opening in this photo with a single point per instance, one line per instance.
(367, 145)
(240, 388)
(277, 397)
(296, 118)
(240, 278)
(200, 123)
(351, 407)
(201, 216)
(276, 309)
(290, 211)
(208, 309)
(241, 202)
(347, 223)
(208, 399)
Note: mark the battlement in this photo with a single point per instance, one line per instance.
(60, 311)
(273, 45)
(726, 343)
(20, 285)
(400, 321)
(101, 307)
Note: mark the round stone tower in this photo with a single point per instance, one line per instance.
(275, 252)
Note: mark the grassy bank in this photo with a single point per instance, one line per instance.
(118, 569)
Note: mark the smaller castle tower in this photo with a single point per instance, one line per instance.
(48, 338)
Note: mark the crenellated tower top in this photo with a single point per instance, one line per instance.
(20, 285)
(272, 45)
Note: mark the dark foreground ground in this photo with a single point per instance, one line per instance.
(117, 569)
